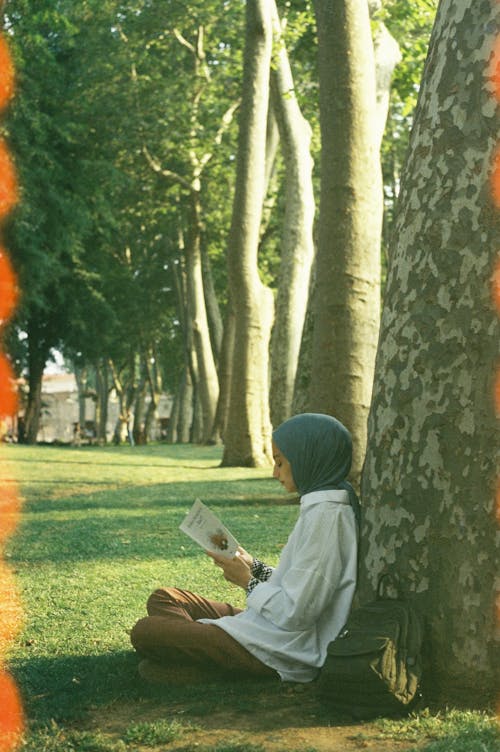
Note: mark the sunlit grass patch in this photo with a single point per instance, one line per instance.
(151, 733)
(449, 731)
(54, 738)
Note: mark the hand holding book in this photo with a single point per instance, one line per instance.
(235, 570)
(208, 531)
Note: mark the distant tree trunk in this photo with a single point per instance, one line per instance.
(173, 419)
(38, 355)
(102, 396)
(185, 414)
(300, 401)
(297, 246)
(225, 370)
(34, 404)
(227, 346)
(81, 378)
(215, 325)
(207, 383)
(248, 431)
(347, 295)
(430, 477)
(138, 429)
(184, 399)
(270, 173)
(126, 389)
(197, 421)
(155, 390)
(204, 317)
(387, 55)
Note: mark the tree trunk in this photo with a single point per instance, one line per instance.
(387, 55)
(248, 431)
(37, 358)
(300, 402)
(270, 174)
(225, 371)
(214, 318)
(347, 296)
(155, 390)
(430, 476)
(227, 347)
(138, 424)
(297, 246)
(207, 383)
(81, 378)
(126, 388)
(185, 413)
(34, 405)
(174, 418)
(102, 395)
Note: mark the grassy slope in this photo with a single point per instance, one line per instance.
(99, 533)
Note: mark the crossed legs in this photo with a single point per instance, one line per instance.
(172, 636)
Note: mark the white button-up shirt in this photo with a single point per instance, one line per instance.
(292, 617)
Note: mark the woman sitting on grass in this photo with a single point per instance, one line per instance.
(292, 611)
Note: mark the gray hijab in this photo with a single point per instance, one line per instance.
(319, 450)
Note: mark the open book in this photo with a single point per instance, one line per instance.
(208, 531)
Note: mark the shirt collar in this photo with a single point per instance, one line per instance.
(339, 496)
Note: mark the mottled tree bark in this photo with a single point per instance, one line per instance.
(430, 476)
(347, 294)
(297, 245)
(248, 431)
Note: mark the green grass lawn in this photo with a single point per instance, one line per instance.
(99, 532)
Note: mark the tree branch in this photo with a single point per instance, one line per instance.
(225, 123)
(170, 174)
(183, 41)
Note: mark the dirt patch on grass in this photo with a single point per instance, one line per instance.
(285, 720)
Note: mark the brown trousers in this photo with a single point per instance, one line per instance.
(171, 634)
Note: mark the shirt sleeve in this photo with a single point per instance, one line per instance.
(323, 558)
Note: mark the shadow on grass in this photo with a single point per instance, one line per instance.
(128, 496)
(72, 688)
(171, 452)
(142, 522)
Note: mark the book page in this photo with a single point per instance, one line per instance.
(208, 531)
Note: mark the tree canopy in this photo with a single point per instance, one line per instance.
(125, 113)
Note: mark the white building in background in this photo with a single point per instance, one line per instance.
(60, 411)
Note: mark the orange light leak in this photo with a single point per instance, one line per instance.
(11, 712)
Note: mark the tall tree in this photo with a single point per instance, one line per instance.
(297, 246)
(198, 278)
(44, 233)
(347, 295)
(248, 431)
(430, 476)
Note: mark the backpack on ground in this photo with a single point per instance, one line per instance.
(374, 667)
